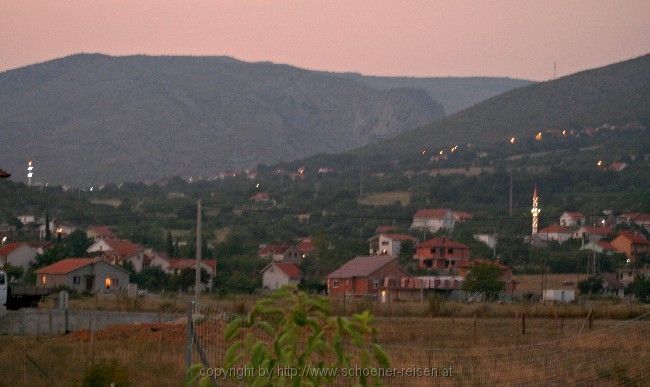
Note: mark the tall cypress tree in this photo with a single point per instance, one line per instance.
(48, 232)
(169, 245)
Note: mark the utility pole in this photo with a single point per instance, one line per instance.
(197, 282)
(510, 211)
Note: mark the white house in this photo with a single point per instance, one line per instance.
(278, 274)
(26, 219)
(433, 220)
(83, 275)
(555, 233)
(488, 239)
(600, 247)
(572, 219)
(57, 227)
(592, 234)
(389, 244)
(559, 295)
(119, 250)
(17, 254)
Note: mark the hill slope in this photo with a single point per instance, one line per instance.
(455, 94)
(96, 118)
(615, 94)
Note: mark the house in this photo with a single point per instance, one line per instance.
(386, 229)
(554, 232)
(462, 216)
(176, 265)
(57, 228)
(281, 252)
(260, 197)
(600, 247)
(363, 276)
(488, 239)
(40, 246)
(638, 218)
(116, 251)
(305, 247)
(592, 233)
(627, 275)
(83, 275)
(99, 232)
(17, 254)
(441, 254)
(389, 244)
(572, 219)
(26, 219)
(279, 274)
(433, 220)
(616, 166)
(632, 244)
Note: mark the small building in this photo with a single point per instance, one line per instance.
(433, 220)
(600, 247)
(99, 232)
(572, 219)
(388, 244)
(83, 275)
(489, 239)
(556, 233)
(261, 197)
(441, 254)
(632, 244)
(363, 276)
(116, 251)
(17, 254)
(279, 274)
(592, 233)
(559, 295)
(26, 219)
(305, 248)
(280, 252)
(638, 218)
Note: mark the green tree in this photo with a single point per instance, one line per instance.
(640, 287)
(48, 232)
(294, 330)
(169, 245)
(485, 279)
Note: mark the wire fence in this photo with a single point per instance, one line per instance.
(422, 350)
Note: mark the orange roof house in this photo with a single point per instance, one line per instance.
(278, 274)
(83, 275)
(632, 244)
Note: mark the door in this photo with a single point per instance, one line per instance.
(90, 280)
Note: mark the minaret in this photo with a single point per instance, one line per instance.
(30, 172)
(535, 211)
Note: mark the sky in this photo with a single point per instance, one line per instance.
(519, 39)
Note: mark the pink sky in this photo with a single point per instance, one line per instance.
(411, 37)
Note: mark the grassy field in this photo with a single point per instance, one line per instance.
(478, 351)
(532, 283)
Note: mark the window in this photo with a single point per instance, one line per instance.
(44, 280)
(433, 251)
(108, 282)
(2, 279)
(375, 284)
(335, 284)
(384, 243)
(450, 251)
(76, 280)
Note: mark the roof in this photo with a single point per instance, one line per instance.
(637, 217)
(261, 197)
(288, 268)
(554, 229)
(385, 229)
(185, 263)
(10, 247)
(573, 215)
(635, 238)
(101, 231)
(65, 266)
(271, 249)
(123, 247)
(4, 174)
(442, 242)
(39, 244)
(305, 245)
(435, 213)
(481, 261)
(396, 237)
(361, 266)
(596, 230)
(617, 166)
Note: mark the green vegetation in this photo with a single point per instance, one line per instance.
(484, 279)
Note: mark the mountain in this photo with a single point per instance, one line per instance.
(93, 118)
(616, 94)
(455, 94)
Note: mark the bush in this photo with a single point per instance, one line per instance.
(103, 373)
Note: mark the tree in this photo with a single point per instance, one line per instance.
(78, 243)
(48, 232)
(485, 279)
(640, 287)
(294, 331)
(169, 245)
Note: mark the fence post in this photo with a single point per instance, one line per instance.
(523, 322)
(474, 331)
(92, 336)
(49, 322)
(516, 328)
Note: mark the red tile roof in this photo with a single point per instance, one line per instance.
(305, 246)
(361, 266)
(260, 197)
(596, 230)
(554, 229)
(289, 269)
(102, 231)
(436, 213)
(606, 245)
(184, 263)
(10, 247)
(442, 242)
(4, 174)
(271, 249)
(635, 238)
(123, 247)
(637, 217)
(385, 229)
(65, 266)
(481, 261)
(462, 215)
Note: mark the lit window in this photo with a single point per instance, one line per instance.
(335, 283)
(108, 282)
(43, 280)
